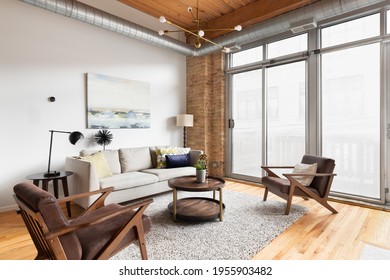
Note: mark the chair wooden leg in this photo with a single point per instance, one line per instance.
(288, 206)
(141, 241)
(327, 206)
(265, 194)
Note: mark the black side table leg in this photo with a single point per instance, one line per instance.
(66, 193)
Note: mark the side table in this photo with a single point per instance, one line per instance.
(45, 182)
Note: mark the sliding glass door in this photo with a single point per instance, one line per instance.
(280, 120)
(246, 124)
(286, 95)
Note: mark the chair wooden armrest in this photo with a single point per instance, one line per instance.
(81, 195)
(99, 202)
(273, 174)
(98, 219)
(305, 189)
(277, 167)
(290, 176)
(287, 175)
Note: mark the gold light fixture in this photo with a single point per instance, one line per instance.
(198, 32)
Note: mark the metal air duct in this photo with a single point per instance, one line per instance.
(99, 18)
(319, 11)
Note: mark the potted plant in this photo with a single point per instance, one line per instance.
(201, 168)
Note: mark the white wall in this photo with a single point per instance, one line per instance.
(43, 54)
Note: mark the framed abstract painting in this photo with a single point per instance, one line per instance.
(117, 103)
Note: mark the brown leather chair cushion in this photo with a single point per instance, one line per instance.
(94, 238)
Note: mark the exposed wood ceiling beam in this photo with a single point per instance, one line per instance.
(254, 13)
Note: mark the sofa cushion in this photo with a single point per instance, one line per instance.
(128, 180)
(174, 161)
(112, 157)
(134, 159)
(101, 165)
(169, 173)
(161, 161)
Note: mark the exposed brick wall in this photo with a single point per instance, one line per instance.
(206, 101)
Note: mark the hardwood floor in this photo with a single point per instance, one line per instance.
(318, 235)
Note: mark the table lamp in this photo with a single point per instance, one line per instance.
(185, 120)
(74, 137)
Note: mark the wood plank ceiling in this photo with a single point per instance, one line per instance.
(216, 14)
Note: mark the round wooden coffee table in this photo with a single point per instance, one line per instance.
(196, 208)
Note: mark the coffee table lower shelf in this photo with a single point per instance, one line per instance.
(197, 208)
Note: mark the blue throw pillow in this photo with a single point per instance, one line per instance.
(177, 160)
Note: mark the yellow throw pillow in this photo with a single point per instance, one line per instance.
(101, 165)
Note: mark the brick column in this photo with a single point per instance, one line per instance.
(206, 101)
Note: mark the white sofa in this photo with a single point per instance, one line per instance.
(133, 172)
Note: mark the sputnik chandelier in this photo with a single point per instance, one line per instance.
(198, 32)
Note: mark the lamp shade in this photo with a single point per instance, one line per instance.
(185, 120)
(75, 136)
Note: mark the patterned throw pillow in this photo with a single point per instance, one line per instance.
(161, 161)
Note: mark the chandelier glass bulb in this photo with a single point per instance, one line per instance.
(162, 19)
(238, 28)
(201, 33)
(161, 32)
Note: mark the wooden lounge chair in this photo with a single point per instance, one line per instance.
(99, 232)
(291, 186)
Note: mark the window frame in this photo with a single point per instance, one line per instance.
(313, 102)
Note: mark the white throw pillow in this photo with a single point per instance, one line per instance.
(305, 168)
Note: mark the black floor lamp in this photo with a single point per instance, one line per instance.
(74, 137)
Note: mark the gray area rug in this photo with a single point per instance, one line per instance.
(248, 225)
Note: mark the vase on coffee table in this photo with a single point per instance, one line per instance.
(200, 175)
